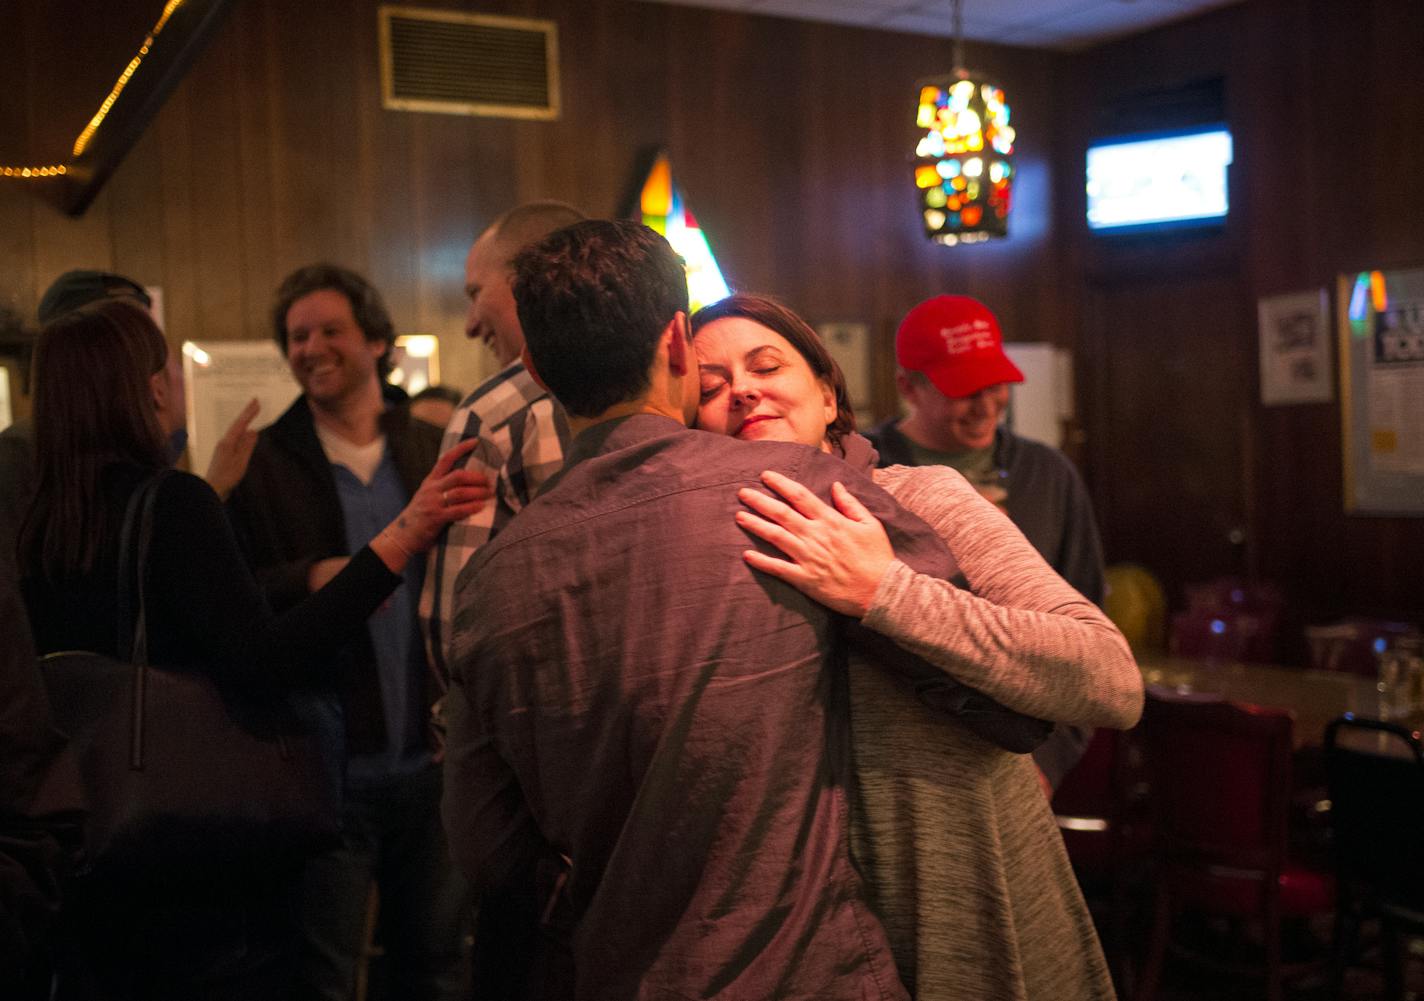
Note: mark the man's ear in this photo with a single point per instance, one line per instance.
(904, 385)
(533, 372)
(681, 358)
(158, 385)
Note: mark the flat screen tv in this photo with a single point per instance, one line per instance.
(1159, 180)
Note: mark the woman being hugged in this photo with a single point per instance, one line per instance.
(109, 407)
(960, 849)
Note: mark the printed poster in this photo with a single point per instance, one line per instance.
(1382, 385)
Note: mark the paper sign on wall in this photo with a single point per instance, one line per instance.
(222, 376)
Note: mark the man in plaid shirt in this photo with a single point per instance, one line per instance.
(522, 435)
(521, 430)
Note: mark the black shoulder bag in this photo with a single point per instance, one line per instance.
(183, 779)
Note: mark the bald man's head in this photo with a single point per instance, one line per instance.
(491, 317)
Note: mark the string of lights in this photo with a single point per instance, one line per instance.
(85, 137)
(52, 171)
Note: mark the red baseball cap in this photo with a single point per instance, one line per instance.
(955, 341)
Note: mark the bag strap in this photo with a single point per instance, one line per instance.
(134, 544)
(126, 562)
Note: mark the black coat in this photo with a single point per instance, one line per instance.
(40, 803)
(287, 516)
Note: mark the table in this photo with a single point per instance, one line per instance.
(1314, 697)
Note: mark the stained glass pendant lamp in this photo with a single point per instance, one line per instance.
(964, 171)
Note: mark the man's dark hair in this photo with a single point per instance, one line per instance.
(593, 299)
(367, 307)
(78, 288)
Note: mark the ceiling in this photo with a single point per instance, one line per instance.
(1052, 24)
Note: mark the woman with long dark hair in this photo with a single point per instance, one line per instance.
(108, 399)
(960, 850)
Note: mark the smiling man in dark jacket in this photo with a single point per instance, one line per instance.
(324, 479)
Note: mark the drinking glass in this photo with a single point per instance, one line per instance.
(1401, 679)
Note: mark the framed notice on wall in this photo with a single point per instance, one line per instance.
(1381, 321)
(1295, 348)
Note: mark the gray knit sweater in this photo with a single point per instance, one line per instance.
(965, 863)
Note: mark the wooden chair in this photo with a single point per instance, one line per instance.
(1220, 787)
(1226, 636)
(1102, 827)
(1090, 803)
(1227, 593)
(1377, 817)
(371, 949)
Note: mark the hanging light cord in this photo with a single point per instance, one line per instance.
(957, 16)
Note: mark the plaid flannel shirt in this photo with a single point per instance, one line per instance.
(523, 434)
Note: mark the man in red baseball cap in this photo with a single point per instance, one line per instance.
(954, 376)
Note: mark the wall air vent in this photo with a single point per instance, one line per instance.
(468, 64)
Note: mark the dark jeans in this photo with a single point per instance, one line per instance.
(392, 834)
(521, 952)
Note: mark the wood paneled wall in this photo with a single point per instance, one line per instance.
(1164, 367)
(1336, 115)
(791, 140)
(1326, 102)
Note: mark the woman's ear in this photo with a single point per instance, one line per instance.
(828, 401)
